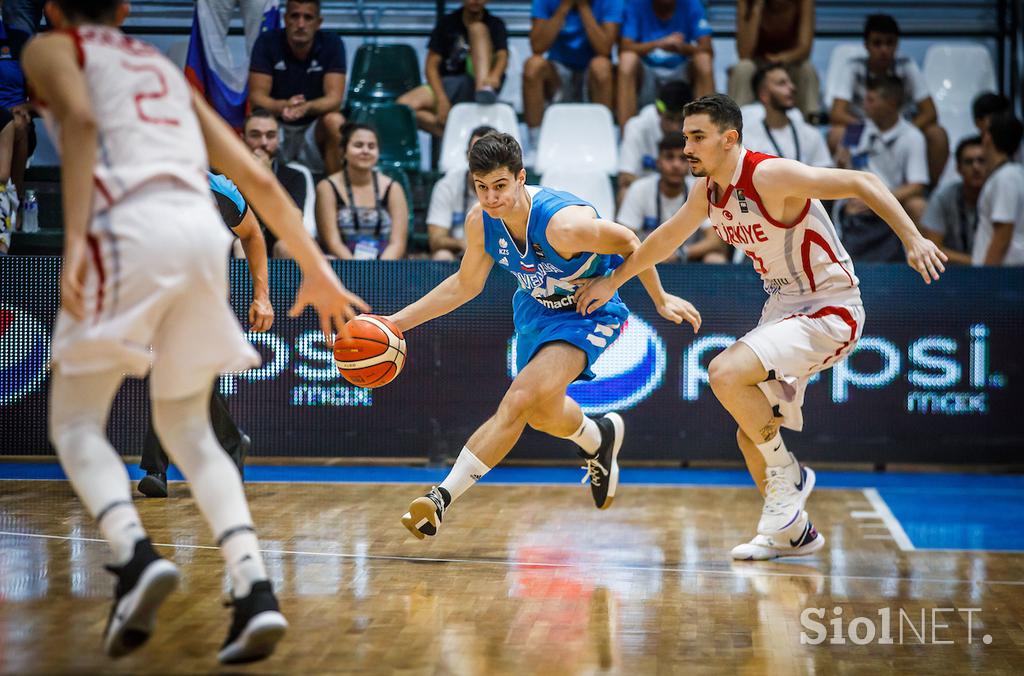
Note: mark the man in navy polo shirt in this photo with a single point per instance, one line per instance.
(299, 75)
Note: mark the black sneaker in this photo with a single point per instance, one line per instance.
(241, 453)
(425, 514)
(256, 627)
(153, 485)
(142, 585)
(603, 468)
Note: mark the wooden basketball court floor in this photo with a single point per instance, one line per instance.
(523, 579)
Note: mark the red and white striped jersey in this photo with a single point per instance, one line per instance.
(797, 259)
(148, 128)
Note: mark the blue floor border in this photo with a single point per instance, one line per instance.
(945, 511)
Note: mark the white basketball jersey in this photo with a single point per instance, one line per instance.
(143, 105)
(797, 259)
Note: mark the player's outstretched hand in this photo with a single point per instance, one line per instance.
(593, 294)
(925, 257)
(72, 281)
(333, 302)
(676, 309)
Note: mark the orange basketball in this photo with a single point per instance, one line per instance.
(374, 354)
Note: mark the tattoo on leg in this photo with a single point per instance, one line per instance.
(768, 431)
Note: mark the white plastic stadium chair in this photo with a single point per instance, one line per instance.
(463, 119)
(592, 185)
(577, 136)
(956, 74)
(837, 60)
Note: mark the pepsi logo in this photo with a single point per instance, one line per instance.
(24, 354)
(626, 374)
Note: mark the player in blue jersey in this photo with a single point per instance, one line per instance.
(553, 242)
(241, 220)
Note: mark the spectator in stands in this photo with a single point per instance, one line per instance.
(662, 40)
(776, 32)
(299, 75)
(17, 131)
(985, 106)
(452, 198)
(466, 60)
(252, 17)
(773, 125)
(1000, 236)
(23, 15)
(640, 137)
(578, 36)
(881, 37)
(361, 213)
(651, 200)
(952, 215)
(261, 134)
(894, 150)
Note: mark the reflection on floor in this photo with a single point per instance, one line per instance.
(530, 579)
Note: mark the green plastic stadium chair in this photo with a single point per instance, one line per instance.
(382, 73)
(396, 131)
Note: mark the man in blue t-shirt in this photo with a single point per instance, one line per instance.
(662, 40)
(17, 133)
(299, 75)
(578, 36)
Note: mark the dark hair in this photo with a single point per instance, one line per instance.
(989, 103)
(348, 130)
(722, 110)
(889, 86)
(761, 73)
(90, 10)
(494, 151)
(674, 140)
(261, 113)
(962, 146)
(479, 133)
(303, 2)
(1006, 131)
(674, 95)
(880, 23)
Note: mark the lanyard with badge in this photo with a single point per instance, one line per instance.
(778, 150)
(367, 247)
(650, 226)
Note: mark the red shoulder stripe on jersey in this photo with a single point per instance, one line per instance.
(812, 237)
(840, 312)
(746, 184)
(97, 260)
(103, 190)
(77, 39)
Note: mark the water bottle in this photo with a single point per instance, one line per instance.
(30, 214)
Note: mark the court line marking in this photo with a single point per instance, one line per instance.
(889, 519)
(745, 571)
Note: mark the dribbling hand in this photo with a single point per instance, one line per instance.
(334, 304)
(924, 256)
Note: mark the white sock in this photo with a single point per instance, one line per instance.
(183, 426)
(467, 471)
(775, 452)
(241, 551)
(79, 406)
(588, 436)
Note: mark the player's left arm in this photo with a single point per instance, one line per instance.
(50, 63)
(574, 230)
(261, 312)
(797, 180)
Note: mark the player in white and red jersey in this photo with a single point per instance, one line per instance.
(769, 208)
(145, 258)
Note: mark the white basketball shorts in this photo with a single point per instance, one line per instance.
(156, 295)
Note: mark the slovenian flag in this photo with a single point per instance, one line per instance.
(210, 68)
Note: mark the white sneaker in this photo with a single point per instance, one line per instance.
(786, 491)
(806, 540)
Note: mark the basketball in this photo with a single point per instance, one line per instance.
(373, 355)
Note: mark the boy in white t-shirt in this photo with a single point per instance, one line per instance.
(452, 198)
(1000, 236)
(651, 200)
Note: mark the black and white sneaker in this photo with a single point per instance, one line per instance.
(256, 627)
(603, 468)
(425, 514)
(801, 539)
(142, 585)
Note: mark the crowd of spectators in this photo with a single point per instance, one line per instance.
(642, 59)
